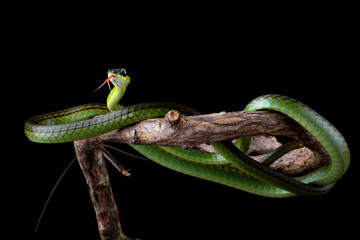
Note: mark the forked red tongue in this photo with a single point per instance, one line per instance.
(106, 81)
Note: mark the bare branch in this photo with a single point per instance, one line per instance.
(190, 131)
(97, 178)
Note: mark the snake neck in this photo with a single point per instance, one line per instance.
(114, 97)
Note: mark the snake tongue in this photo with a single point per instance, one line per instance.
(106, 81)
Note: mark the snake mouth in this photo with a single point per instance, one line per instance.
(118, 77)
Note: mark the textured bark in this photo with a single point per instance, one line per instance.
(184, 131)
(92, 164)
(190, 131)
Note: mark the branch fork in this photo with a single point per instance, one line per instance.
(187, 132)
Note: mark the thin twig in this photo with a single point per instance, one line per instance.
(112, 160)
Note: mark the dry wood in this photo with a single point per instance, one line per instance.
(188, 132)
(92, 164)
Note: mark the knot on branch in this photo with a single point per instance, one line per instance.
(172, 118)
(171, 125)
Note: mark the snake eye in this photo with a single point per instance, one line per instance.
(123, 72)
(120, 71)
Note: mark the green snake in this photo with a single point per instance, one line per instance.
(230, 166)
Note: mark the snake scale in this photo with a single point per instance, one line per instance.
(230, 166)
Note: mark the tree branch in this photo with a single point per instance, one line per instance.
(190, 131)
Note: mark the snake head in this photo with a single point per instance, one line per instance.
(119, 77)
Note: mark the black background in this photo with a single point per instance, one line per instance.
(211, 67)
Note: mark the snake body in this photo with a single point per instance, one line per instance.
(230, 167)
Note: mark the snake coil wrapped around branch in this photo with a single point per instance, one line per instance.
(192, 131)
(167, 132)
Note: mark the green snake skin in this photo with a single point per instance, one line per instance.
(230, 167)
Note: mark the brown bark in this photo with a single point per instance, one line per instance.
(183, 131)
(92, 164)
